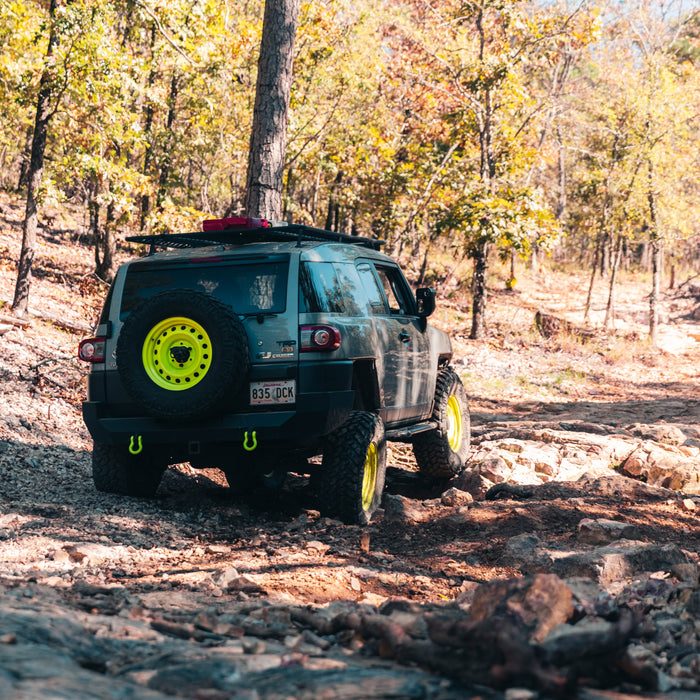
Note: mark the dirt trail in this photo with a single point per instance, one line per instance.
(581, 488)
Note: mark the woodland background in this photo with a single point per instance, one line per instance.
(462, 133)
(453, 129)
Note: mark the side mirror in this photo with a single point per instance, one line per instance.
(425, 296)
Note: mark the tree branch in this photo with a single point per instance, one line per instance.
(172, 43)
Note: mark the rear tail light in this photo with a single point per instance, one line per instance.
(319, 338)
(92, 350)
(234, 223)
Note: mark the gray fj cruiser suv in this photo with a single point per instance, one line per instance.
(253, 348)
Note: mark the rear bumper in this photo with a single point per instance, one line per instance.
(313, 416)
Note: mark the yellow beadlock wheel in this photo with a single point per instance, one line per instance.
(369, 476)
(454, 423)
(177, 353)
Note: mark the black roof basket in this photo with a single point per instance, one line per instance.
(291, 232)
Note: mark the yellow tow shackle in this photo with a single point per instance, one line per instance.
(136, 444)
(250, 447)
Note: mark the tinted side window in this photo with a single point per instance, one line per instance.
(396, 290)
(319, 289)
(355, 303)
(372, 288)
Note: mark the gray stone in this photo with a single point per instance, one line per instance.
(524, 552)
(224, 577)
(603, 531)
(567, 643)
(619, 561)
(406, 510)
(471, 481)
(456, 497)
(495, 468)
(664, 465)
(693, 604)
(539, 603)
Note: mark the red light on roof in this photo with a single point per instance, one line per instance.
(233, 223)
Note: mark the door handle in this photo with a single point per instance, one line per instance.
(404, 337)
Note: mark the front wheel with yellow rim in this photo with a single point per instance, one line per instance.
(442, 453)
(352, 475)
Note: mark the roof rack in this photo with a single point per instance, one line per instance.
(291, 232)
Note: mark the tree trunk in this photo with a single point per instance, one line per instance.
(105, 244)
(560, 212)
(589, 297)
(268, 139)
(333, 213)
(36, 169)
(655, 291)
(655, 241)
(481, 255)
(147, 129)
(314, 197)
(167, 162)
(94, 220)
(424, 266)
(23, 180)
(289, 195)
(605, 254)
(610, 308)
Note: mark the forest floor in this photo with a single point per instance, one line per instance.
(206, 593)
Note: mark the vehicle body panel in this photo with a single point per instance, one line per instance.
(402, 351)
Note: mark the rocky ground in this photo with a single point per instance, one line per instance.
(562, 563)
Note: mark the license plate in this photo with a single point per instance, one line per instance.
(272, 393)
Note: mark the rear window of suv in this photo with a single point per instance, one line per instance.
(250, 287)
(319, 289)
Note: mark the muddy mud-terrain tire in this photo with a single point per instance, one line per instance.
(114, 470)
(351, 479)
(441, 453)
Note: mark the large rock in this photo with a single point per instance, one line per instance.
(524, 552)
(620, 560)
(539, 452)
(495, 468)
(400, 509)
(662, 433)
(539, 603)
(471, 481)
(664, 465)
(456, 497)
(602, 531)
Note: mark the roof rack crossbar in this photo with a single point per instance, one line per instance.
(292, 232)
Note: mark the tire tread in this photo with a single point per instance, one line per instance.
(433, 455)
(340, 479)
(114, 472)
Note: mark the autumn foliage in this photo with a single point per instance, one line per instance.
(469, 126)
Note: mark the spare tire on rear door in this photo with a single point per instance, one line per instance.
(181, 353)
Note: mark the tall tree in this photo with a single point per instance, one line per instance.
(44, 111)
(482, 58)
(268, 140)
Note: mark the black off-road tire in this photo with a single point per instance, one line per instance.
(435, 456)
(226, 375)
(115, 470)
(341, 480)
